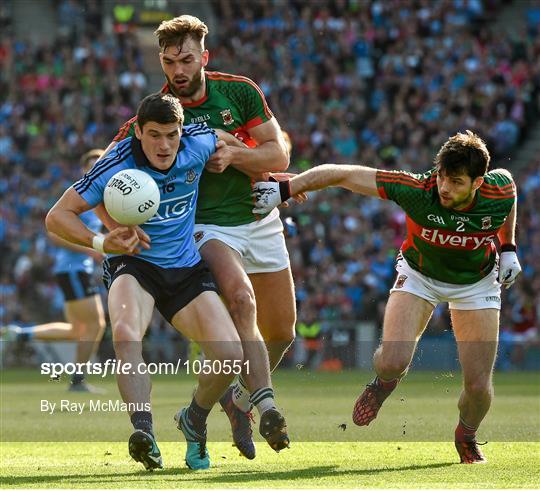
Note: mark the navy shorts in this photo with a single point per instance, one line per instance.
(171, 288)
(76, 285)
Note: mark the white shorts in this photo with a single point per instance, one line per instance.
(484, 294)
(261, 244)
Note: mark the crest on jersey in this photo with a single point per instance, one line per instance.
(191, 175)
(227, 117)
(486, 223)
(400, 281)
(198, 235)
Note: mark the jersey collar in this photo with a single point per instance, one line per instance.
(142, 160)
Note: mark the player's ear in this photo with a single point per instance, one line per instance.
(478, 182)
(138, 132)
(205, 57)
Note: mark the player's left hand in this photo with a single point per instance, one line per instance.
(220, 159)
(509, 268)
(268, 195)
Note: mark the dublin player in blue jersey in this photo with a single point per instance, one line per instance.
(74, 269)
(163, 270)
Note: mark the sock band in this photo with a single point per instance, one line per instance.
(261, 394)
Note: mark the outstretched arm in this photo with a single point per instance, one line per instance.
(356, 178)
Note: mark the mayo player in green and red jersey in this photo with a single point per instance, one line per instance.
(245, 252)
(455, 212)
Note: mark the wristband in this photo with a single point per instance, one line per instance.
(508, 248)
(285, 190)
(97, 243)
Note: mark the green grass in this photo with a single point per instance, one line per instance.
(408, 446)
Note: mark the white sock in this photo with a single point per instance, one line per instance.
(240, 396)
(263, 399)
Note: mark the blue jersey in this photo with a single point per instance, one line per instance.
(66, 260)
(171, 228)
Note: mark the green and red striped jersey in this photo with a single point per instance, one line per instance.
(233, 104)
(453, 246)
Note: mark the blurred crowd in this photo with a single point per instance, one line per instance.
(378, 82)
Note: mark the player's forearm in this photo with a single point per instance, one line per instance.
(267, 157)
(105, 218)
(67, 225)
(507, 233)
(57, 240)
(355, 178)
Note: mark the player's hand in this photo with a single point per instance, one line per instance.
(122, 240)
(509, 268)
(220, 159)
(268, 195)
(144, 238)
(286, 176)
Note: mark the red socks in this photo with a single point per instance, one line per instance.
(464, 432)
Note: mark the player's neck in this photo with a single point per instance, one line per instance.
(468, 204)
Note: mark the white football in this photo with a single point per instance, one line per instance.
(131, 197)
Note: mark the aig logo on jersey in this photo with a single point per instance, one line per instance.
(173, 208)
(227, 117)
(486, 223)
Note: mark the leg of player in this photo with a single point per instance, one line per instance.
(130, 309)
(405, 319)
(206, 320)
(276, 311)
(87, 317)
(477, 333)
(234, 285)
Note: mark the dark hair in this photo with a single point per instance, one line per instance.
(463, 153)
(160, 108)
(174, 32)
(85, 159)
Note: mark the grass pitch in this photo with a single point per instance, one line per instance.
(408, 446)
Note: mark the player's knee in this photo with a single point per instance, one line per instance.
(242, 303)
(479, 389)
(124, 332)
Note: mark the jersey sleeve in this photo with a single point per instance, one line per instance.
(92, 184)
(201, 140)
(397, 185)
(253, 103)
(126, 130)
(498, 184)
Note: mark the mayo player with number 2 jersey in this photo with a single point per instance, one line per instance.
(455, 212)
